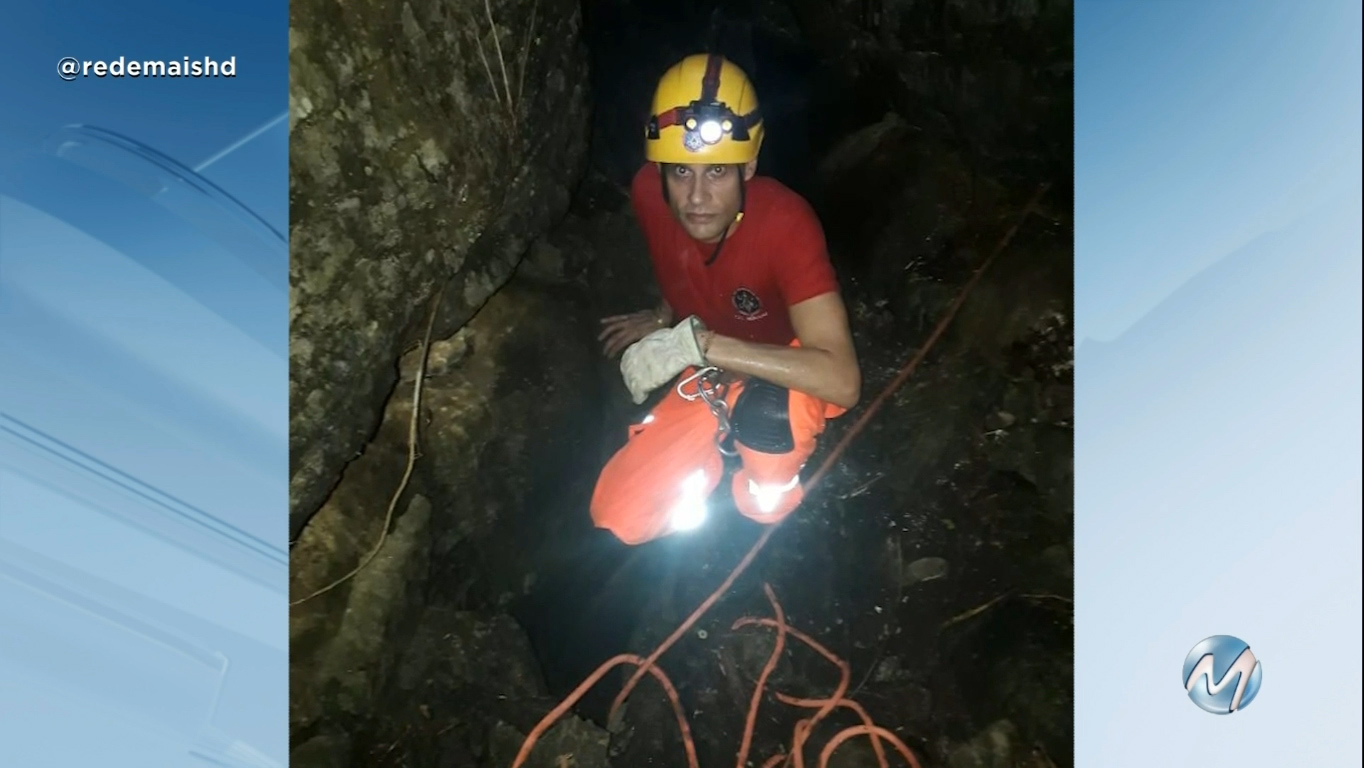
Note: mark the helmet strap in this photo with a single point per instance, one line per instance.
(743, 200)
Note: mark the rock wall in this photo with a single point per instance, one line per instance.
(413, 161)
(404, 644)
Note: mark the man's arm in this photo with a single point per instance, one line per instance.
(823, 366)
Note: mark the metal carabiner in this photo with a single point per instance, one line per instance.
(723, 428)
(699, 377)
(713, 395)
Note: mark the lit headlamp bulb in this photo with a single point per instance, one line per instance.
(710, 131)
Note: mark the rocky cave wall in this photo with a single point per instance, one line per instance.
(429, 142)
(417, 166)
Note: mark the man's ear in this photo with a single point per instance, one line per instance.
(750, 168)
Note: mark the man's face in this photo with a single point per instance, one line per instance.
(706, 198)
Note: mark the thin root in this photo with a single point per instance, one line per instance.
(525, 51)
(411, 456)
(963, 616)
(501, 62)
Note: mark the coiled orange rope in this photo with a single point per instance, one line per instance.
(803, 728)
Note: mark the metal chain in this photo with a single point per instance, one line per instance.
(712, 393)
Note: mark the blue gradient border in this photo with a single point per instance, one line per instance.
(144, 389)
(1218, 376)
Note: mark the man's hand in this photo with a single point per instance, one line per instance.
(620, 331)
(655, 359)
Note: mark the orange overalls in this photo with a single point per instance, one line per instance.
(659, 482)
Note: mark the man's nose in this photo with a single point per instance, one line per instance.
(696, 193)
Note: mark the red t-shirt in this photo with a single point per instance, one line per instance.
(775, 259)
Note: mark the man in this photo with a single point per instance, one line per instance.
(742, 261)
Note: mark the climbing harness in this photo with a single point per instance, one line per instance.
(712, 392)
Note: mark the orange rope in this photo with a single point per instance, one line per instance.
(762, 678)
(826, 706)
(873, 730)
(586, 685)
(850, 704)
(803, 728)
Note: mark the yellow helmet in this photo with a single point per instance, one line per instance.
(705, 111)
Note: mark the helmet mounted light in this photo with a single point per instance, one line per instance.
(704, 124)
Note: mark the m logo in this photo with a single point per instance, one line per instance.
(1221, 675)
(746, 302)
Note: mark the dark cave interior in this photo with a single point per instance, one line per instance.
(935, 560)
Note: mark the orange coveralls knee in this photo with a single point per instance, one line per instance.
(660, 480)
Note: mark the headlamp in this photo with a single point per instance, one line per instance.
(709, 122)
(703, 123)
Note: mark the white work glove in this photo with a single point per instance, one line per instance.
(655, 359)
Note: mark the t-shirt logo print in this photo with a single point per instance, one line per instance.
(748, 305)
